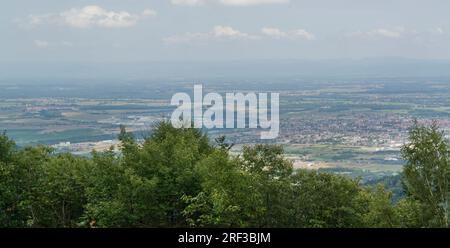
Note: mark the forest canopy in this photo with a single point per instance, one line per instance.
(179, 178)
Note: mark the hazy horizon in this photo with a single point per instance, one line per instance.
(237, 69)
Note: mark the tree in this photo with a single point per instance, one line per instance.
(327, 200)
(270, 173)
(7, 148)
(11, 214)
(116, 195)
(410, 213)
(177, 178)
(143, 186)
(61, 200)
(170, 155)
(427, 171)
(228, 197)
(381, 212)
(21, 172)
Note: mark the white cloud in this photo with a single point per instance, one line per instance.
(47, 44)
(397, 32)
(410, 35)
(228, 2)
(218, 33)
(221, 32)
(273, 32)
(437, 31)
(67, 43)
(149, 12)
(292, 34)
(229, 32)
(41, 43)
(186, 38)
(386, 33)
(252, 2)
(90, 16)
(188, 2)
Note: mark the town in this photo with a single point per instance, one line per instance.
(335, 124)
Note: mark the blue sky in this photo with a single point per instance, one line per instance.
(155, 30)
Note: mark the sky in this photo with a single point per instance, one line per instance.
(190, 30)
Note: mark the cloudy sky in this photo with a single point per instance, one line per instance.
(183, 30)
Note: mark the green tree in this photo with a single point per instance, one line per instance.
(381, 212)
(143, 186)
(170, 155)
(116, 195)
(427, 171)
(62, 195)
(228, 197)
(177, 178)
(410, 213)
(270, 172)
(327, 200)
(20, 185)
(11, 214)
(7, 149)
